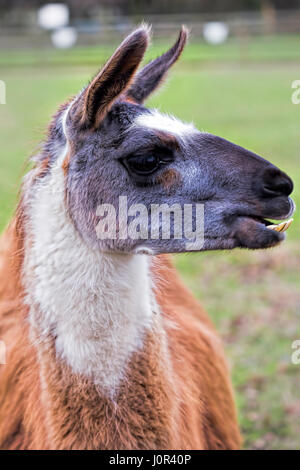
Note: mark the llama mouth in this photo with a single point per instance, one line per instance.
(281, 227)
(257, 233)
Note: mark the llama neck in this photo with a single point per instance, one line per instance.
(97, 306)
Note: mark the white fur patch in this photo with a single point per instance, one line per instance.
(97, 305)
(65, 115)
(163, 122)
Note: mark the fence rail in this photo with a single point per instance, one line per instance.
(105, 30)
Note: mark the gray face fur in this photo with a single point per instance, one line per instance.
(113, 139)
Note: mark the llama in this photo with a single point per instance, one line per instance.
(105, 347)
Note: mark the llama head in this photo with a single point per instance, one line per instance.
(122, 162)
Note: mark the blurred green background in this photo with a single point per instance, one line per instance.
(240, 90)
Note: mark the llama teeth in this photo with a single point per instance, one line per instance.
(281, 227)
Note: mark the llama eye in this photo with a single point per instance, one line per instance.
(143, 165)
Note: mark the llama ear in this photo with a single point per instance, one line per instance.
(112, 80)
(150, 77)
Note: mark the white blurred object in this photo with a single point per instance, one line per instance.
(64, 38)
(215, 32)
(53, 15)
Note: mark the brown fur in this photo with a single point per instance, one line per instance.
(168, 140)
(177, 394)
(66, 163)
(43, 167)
(169, 179)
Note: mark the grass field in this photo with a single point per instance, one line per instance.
(243, 94)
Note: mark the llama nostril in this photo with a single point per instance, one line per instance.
(276, 183)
